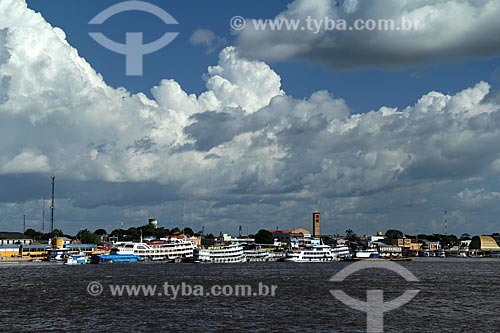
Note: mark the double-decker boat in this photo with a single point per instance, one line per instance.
(257, 255)
(220, 254)
(341, 251)
(319, 253)
(169, 249)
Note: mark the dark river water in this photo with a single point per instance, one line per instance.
(456, 295)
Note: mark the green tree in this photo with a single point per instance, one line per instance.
(161, 232)
(56, 233)
(120, 233)
(100, 232)
(32, 233)
(175, 231)
(393, 234)
(132, 234)
(328, 239)
(351, 236)
(188, 232)
(88, 237)
(147, 230)
(208, 240)
(264, 237)
(465, 236)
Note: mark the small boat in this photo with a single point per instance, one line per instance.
(78, 259)
(58, 254)
(365, 254)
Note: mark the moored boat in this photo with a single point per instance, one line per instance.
(319, 253)
(257, 255)
(77, 259)
(220, 254)
(365, 254)
(167, 249)
(114, 258)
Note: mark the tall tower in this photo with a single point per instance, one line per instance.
(43, 215)
(153, 222)
(52, 207)
(445, 223)
(316, 224)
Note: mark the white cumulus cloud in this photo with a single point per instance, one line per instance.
(241, 144)
(447, 30)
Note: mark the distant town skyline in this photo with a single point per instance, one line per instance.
(230, 126)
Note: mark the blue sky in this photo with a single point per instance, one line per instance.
(363, 89)
(261, 124)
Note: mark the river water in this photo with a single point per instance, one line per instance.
(456, 295)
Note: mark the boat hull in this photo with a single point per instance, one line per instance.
(114, 258)
(378, 259)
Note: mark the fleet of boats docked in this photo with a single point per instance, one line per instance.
(175, 249)
(182, 250)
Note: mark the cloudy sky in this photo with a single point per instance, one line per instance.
(376, 129)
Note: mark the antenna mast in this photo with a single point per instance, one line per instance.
(52, 204)
(445, 223)
(43, 215)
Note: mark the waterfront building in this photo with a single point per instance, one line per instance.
(484, 246)
(239, 239)
(389, 250)
(12, 238)
(285, 236)
(7, 251)
(404, 242)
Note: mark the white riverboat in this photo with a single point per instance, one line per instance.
(257, 255)
(319, 253)
(341, 251)
(220, 254)
(168, 249)
(368, 253)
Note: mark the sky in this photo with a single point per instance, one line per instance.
(376, 129)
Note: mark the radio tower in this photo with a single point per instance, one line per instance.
(43, 215)
(445, 223)
(52, 205)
